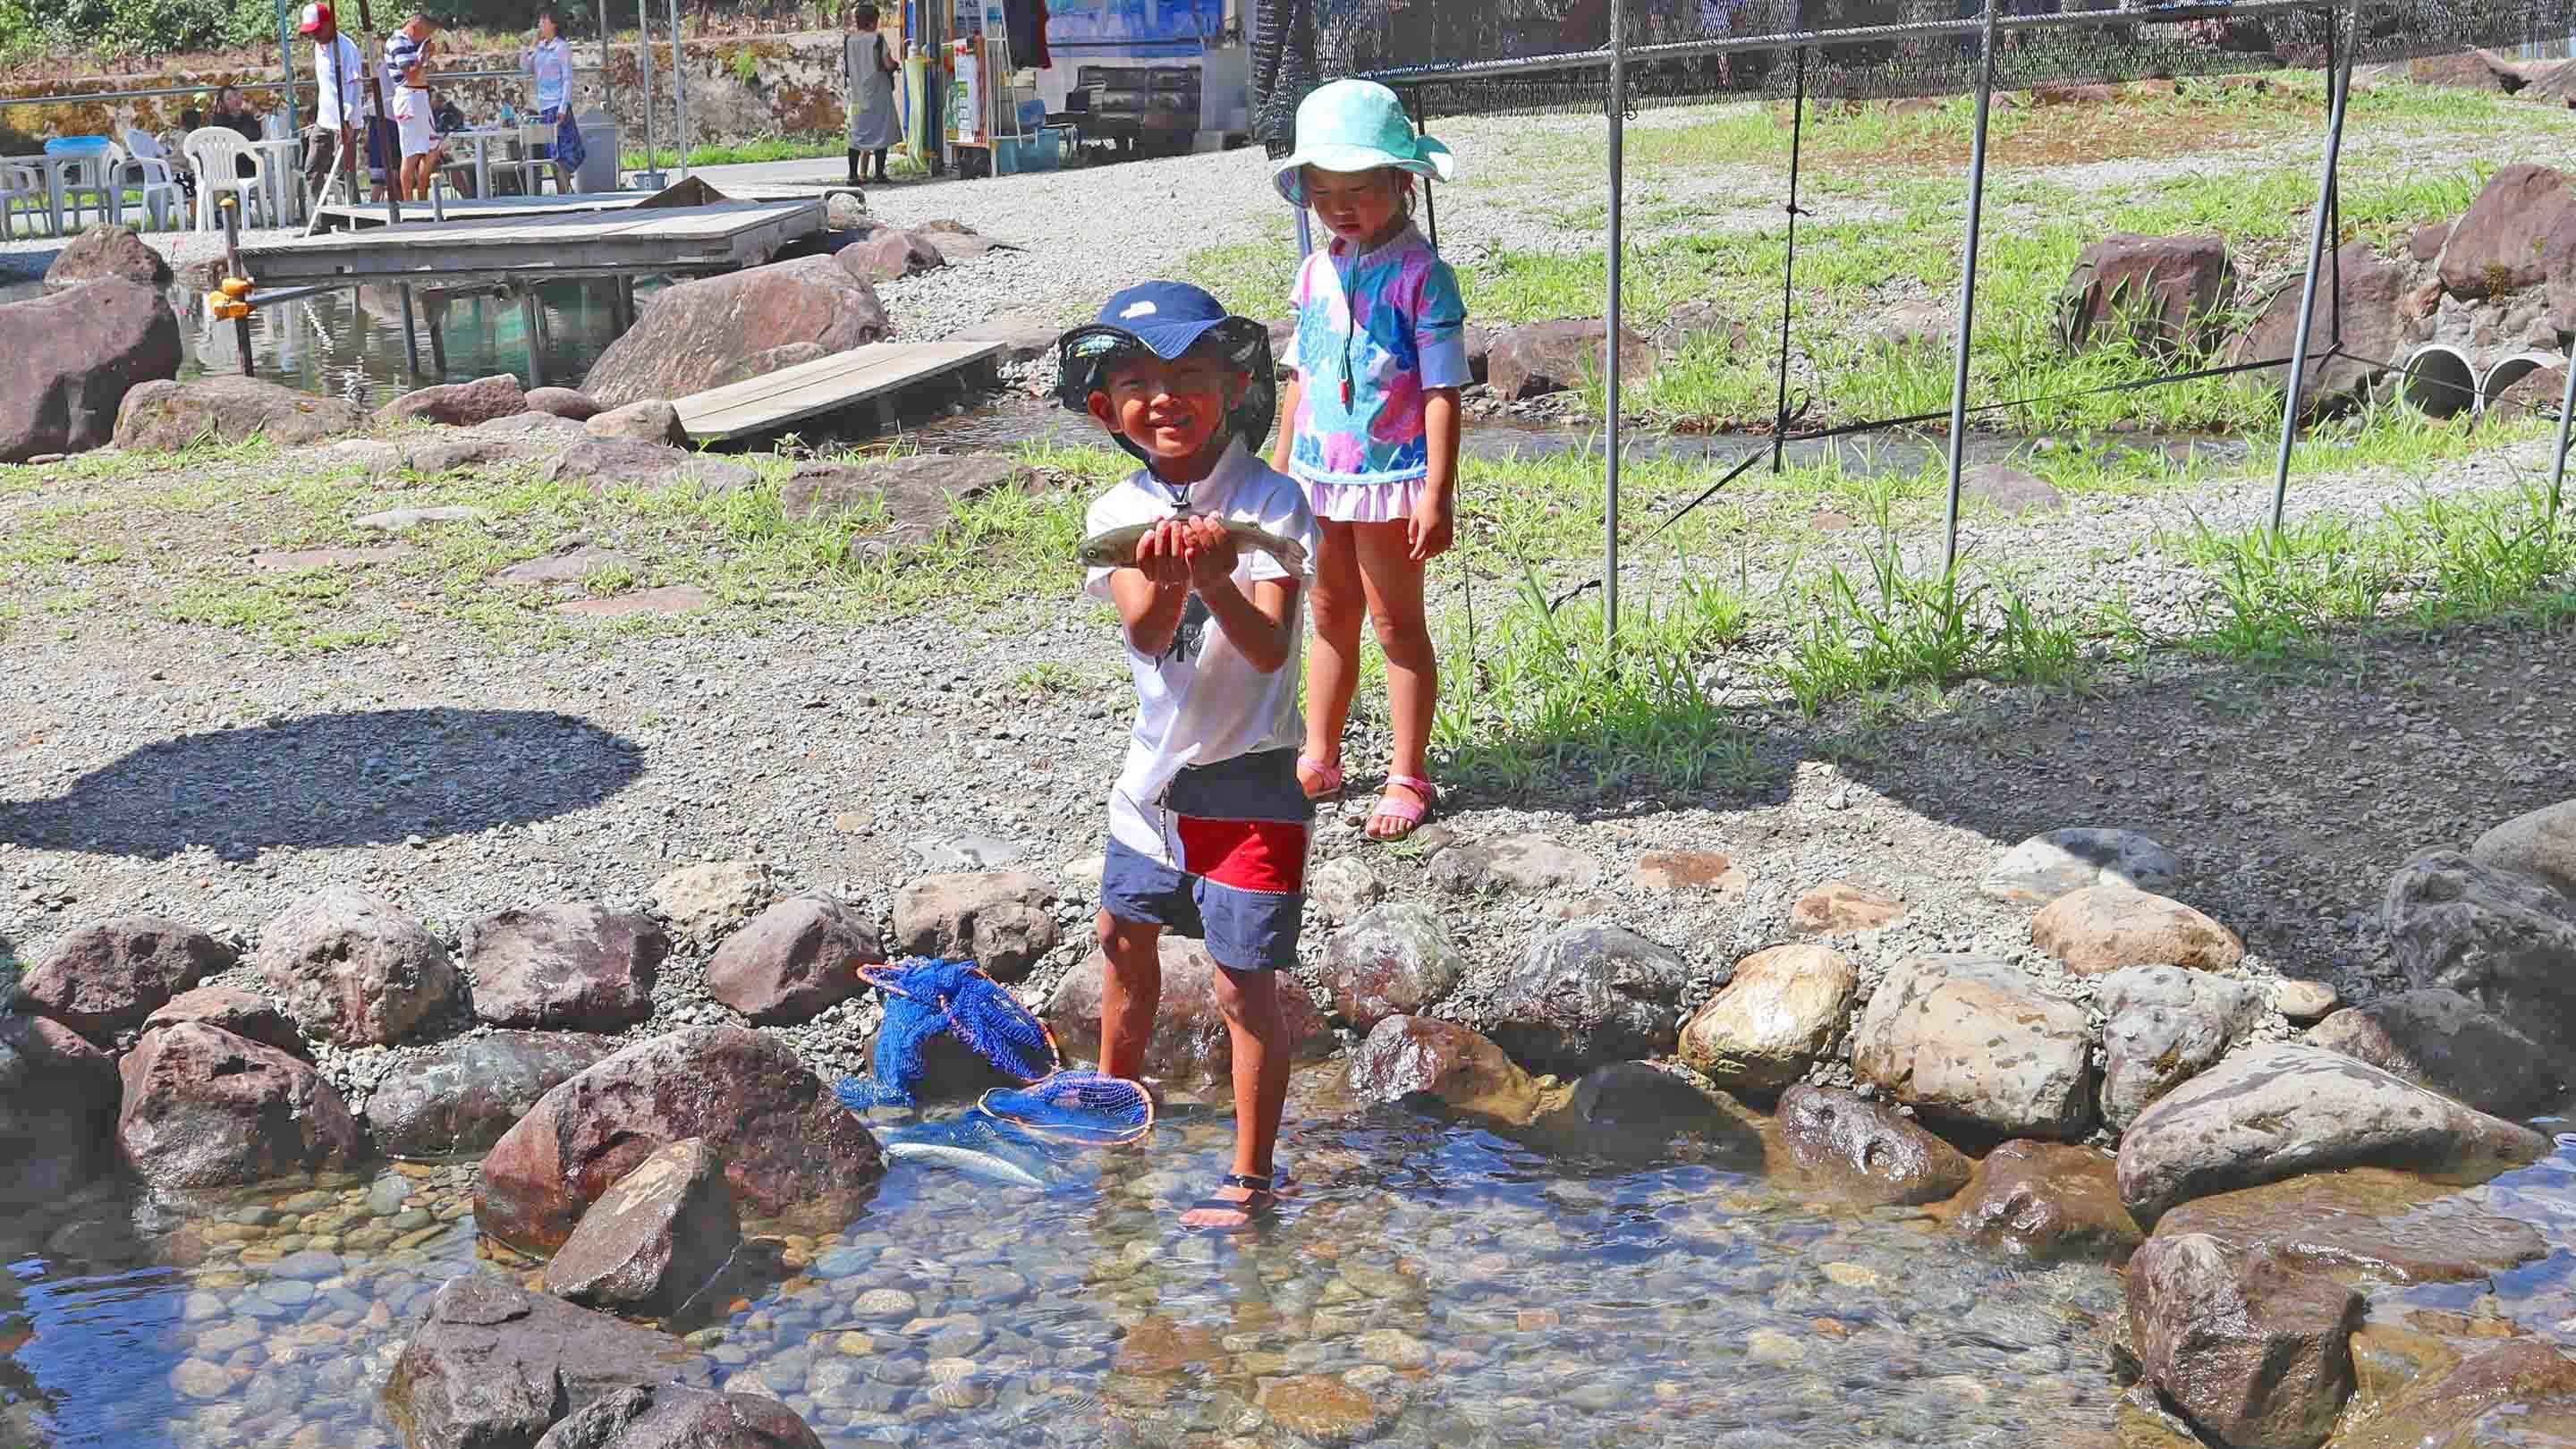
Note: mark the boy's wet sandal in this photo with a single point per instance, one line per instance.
(1261, 1205)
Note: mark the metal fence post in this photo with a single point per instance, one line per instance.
(2558, 455)
(679, 93)
(286, 68)
(1968, 287)
(2341, 83)
(1610, 330)
(644, 55)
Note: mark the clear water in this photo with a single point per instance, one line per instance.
(1457, 1288)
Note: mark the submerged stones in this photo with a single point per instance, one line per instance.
(1407, 1056)
(2256, 1352)
(1864, 1151)
(656, 1240)
(2047, 1201)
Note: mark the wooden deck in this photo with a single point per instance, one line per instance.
(341, 215)
(565, 244)
(875, 371)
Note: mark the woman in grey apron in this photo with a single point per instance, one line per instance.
(868, 71)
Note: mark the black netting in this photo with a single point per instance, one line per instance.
(1472, 57)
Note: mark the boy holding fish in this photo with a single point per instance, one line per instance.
(1204, 552)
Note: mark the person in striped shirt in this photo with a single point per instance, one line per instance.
(407, 68)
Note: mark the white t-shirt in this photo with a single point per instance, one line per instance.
(1203, 702)
(341, 73)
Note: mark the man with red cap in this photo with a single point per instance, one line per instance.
(340, 71)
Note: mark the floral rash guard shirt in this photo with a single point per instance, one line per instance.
(1374, 329)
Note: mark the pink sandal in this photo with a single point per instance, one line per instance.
(1405, 812)
(1328, 774)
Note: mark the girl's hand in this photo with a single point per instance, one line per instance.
(1163, 555)
(1433, 526)
(1211, 552)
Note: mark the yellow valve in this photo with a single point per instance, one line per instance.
(221, 307)
(235, 287)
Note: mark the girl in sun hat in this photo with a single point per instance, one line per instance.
(1372, 425)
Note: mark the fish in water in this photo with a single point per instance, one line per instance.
(966, 1160)
(1116, 547)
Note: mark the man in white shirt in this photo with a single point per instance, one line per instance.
(340, 71)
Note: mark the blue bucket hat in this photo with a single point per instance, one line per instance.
(1357, 125)
(1170, 320)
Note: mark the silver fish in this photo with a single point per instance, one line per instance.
(1117, 547)
(966, 1160)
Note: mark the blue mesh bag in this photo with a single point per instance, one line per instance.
(924, 997)
(1076, 1107)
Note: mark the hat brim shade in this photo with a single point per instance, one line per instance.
(1077, 376)
(309, 27)
(1431, 160)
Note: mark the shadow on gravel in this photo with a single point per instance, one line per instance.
(328, 780)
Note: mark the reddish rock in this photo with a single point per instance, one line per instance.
(74, 362)
(2104, 928)
(103, 251)
(649, 421)
(675, 1416)
(2255, 1352)
(356, 971)
(2487, 1398)
(887, 253)
(668, 600)
(692, 332)
(2165, 294)
(494, 1366)
(2384, 317)
(1687, 870)
(2474, 70)
(790, 1149)
(1393, 961)
(459, 404)
(601, 464)
(2424, 244)
(1839, 906)
(2391, 1226)
(769, 360)
(2048, 1201)
(569, 967)
(104, 978)
(167, 416)
(1189, 1044)
(238, 1012)
(1865, 1151)
(1002, 920)
(2497, 247)
(1538, 358)
(204, 1108)
(563, 402)
(1406, 1056)
(58, 1100)
(461, 1096)
(797, 958)
(656, 1240)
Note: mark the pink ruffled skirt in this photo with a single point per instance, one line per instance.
(1363, 502)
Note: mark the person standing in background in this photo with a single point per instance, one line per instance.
(550, 61)
(340, 73)
(408, 52)
(868, 70)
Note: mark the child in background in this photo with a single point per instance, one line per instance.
(1207, 825)
(1372, 431)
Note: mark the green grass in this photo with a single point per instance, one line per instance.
(739, 153)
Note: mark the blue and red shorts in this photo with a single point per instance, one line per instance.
(1240, 827)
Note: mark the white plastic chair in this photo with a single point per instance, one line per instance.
(88, 184)
(212, 152)
(535, 170)
(22, 193)
(142, 167)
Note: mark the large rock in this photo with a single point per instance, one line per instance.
(1408, 1056)
(1537, 358)
(58, 1103)
(2164, 1024)
(576, 967)
(656, 1240)
(2165, 294)
(226, 1008)
(2489, 1398)
(2500, 245)
(2106, 927)
(2384, 315)
(459, 404)
(1589, 992)
(1773, 1020)
(1972, 1041)
(889, 253)
(204, 1108)
(104, 978)
(790, 1149)
(494, 1366)
(692, 332)
(650, 421)
(103, 251)
(769, 360)
(2505, 941)
(2539, 843)
(74, 360)
(1396, 960)
(1865, 1151)
(602, 464)
(563, 402)
(919, 495)
(2391, 1227)
(1530, 863)
(166, 416)
(2442, 1040)
(675, 1416)
(1189, 1044)
(2048, 1201)
(800, 957)
(2045, 867)
(355, 971)
(2256, 1353)
(1002, 920)
(460, 1096)
(2275, 1111)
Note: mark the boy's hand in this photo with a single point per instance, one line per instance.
(1432, 528)
(1212, 553)
(1163, 555)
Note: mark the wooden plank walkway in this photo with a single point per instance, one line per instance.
(670, 239)
(874, 371)
(342, 215)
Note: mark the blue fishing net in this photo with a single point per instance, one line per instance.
(1077, 1107)
(924, 997)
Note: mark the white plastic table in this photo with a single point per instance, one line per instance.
(52, 166)
(481, 137)
(282, 165)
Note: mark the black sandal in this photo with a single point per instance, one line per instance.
(1262, 1204)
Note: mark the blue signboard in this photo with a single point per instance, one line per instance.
(1134, 25)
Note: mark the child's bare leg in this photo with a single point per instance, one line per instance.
(1392, 582)
(1258, 1031)
(1131, 988)
(1333, 665)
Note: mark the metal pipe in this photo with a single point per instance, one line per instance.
(2558, 457)
(1968, 290)
(536, 353)
(2291, 393)
(286, 69)
(679, 94)
(1610, 331)
(644, 53)
(1789, 264)
(231, 207)
(411, 333)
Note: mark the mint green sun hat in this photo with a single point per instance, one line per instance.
(1357, 125)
